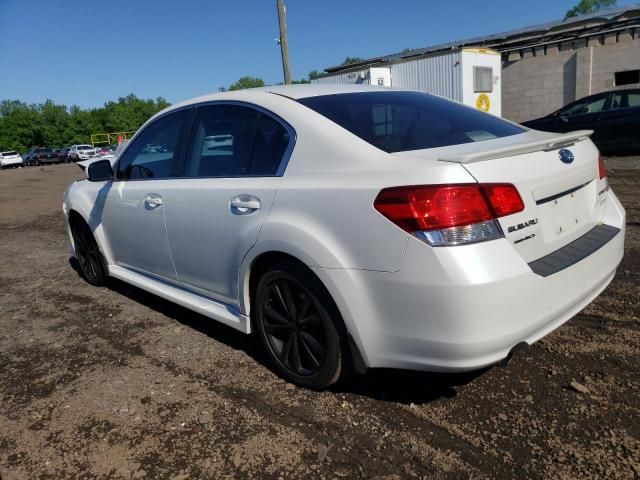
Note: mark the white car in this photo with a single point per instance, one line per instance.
(81, 152)
(10, 159)
(354, 226)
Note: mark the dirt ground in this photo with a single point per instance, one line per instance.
(117, 383)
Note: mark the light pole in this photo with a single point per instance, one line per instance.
(284, 49)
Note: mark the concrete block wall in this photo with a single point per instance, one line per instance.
(536, 82)
(532, 87)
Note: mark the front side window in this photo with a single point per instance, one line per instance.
(595, 105)
(402, 121)
(152, 153)
(234, 140)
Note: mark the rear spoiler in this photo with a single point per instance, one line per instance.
(542, 141)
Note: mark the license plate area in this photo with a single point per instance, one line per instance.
(566, 214)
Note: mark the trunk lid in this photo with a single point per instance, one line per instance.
(563, 196)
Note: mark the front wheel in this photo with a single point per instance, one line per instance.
(299, 326)
(88, 253)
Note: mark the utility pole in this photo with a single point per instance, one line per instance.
(284, 49)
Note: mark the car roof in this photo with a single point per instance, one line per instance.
(294, 92)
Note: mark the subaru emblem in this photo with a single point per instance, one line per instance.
(566, 156)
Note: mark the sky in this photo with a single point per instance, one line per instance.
(86, 52)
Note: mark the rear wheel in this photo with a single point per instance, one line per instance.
(88, 253)
(299, 326)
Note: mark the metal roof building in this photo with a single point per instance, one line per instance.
(549, 65)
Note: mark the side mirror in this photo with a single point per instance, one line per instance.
(99, 171)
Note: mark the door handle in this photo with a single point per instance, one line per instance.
(244, 204)
(152, 201)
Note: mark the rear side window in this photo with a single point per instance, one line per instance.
(402, 121)
(625, 100)
(152, 153)
(234, 140)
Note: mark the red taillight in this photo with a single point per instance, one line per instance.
(504, 199)
(436, 207)
(602, 172)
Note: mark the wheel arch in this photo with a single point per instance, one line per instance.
(97, 232)
(262, 262)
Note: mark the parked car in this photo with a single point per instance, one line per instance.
(105, 151)
(63, 154)
(354, 225)
(81, 152)
(613, 116)
(42, 156)
(10, 159)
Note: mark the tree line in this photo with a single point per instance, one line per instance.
(23, 126)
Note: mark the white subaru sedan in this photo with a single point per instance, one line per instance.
(353, 227)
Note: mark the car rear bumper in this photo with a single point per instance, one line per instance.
(464, 308)
(9, 162)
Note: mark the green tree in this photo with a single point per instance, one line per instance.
(315, 74)
(350, 60)
(49, 124)
(589, 6)
(247, 82)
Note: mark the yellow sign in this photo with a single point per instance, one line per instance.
(483, 103)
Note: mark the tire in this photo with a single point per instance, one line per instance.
(88, 254)
(300, 327)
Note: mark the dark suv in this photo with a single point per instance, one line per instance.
(613, 116)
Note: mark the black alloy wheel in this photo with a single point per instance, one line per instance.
(301, 336)
(88, 254)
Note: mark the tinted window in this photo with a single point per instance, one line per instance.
(9, 154)
(152, 152)
(625, 100)
(582, 107)
(400, 121)
(270, 143)
(233, 140)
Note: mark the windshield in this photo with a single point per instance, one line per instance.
(9, 154)
(85, 147)
(43, 150)
(402, 121)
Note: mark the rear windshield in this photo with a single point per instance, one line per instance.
(401, 121)
(9, 154)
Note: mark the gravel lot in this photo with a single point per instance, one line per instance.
(117, 383)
